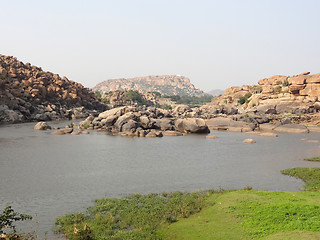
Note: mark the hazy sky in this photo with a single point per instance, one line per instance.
(217, 44)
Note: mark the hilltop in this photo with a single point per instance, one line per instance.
(27, 93)
(163, 84)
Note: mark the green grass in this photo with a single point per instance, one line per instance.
(253, 215)
(314, 159)
(310, 175)
(133, 217)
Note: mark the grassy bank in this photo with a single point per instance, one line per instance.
(313, 159)
(311, 176)
(204, 215)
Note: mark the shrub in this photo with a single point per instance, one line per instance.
(245, 98)
(277, 89)
(285, 83)
(9, 216)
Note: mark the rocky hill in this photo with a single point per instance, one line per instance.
(164, 84)
(297, 95)
(27, 93)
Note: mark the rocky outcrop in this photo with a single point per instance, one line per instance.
(164, 84)
(27, 93)
(299, 94)
(143, 122)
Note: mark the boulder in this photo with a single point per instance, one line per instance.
(151, 135)
(268, 134)
(41, 126)
(115, 111)
(172, 133)
(191, 125)
(130, 126)
(124, 119)
(180, 109)
(221, 123)
(292, 128)
(267, 127)
(59, 132)
(249, 140)
(109, 121)
(211, 137)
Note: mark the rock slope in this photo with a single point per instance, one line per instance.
(299, 94)
(27, 93)
(164, 84)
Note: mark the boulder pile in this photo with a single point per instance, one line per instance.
(27, 93)
(144, 122)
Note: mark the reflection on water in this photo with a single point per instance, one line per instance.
(48, 175)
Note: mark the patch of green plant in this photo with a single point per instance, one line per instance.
(245, 98)
(277, 89)
(253, 105)
(246, 115)
(190, 100)
(105, 100)
(86, 126)
(133, 217)
(314, 159)
(2, 77)
(7, 219)
(98, 94)
(167, 107)
(311, 176)
(266, 213)
(256, 89)
(285, 83)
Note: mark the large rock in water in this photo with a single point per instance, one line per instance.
(191, 125)
(41, 126)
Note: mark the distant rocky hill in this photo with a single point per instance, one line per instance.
(215, 92)
(27, 93)
(164, 84)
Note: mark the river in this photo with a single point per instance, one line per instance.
(49, 175)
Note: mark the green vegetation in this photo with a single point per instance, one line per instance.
(135, 97)
(278, 89)
(252, 215)
(256, 89)
(285, 83)
(7, 219)
(192, 101)
(99, 97)
(245, 98)
(86, 126)
(314, 159)
(132, 217)
(310, 175)
(167, 107)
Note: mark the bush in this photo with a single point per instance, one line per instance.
(245, 98)
(8, 217)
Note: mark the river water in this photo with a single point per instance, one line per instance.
(50, 175)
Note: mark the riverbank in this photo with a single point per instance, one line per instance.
(240, 214)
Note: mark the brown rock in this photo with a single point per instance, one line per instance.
(249, 140)
(211, 137)
(41, 126)
(172, 133)
(298, 80)
(268, 134)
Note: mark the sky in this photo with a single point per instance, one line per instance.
(217, 44)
